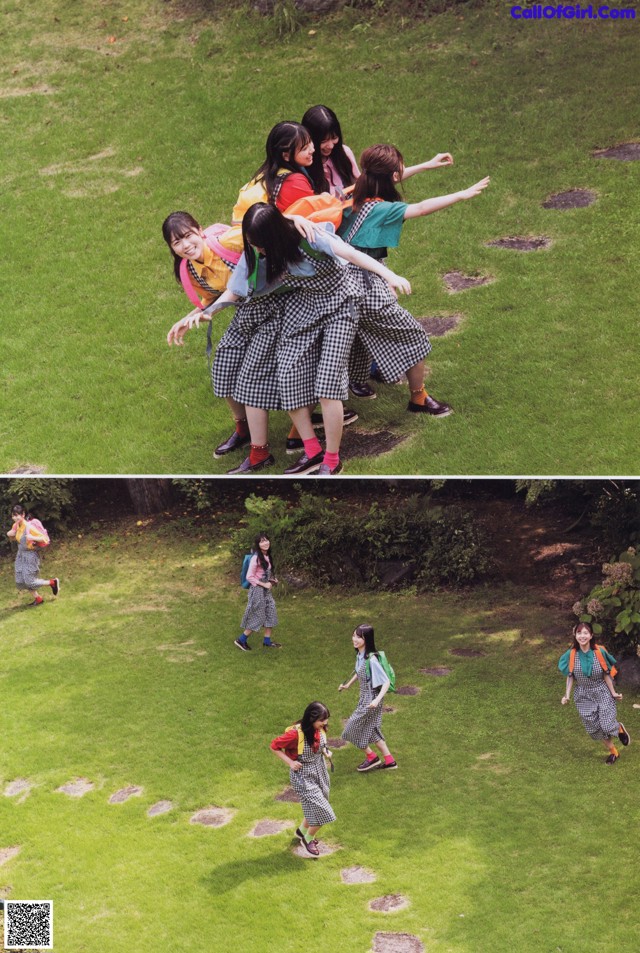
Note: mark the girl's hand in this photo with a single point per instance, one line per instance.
(341, 687)
(443, 158)
(616, 695)
(475, 189)
(304, 226)
(266, 585)
(564, 700)
(296, 766)
(328, 754)
(180, 328)
(399, 284)
(373, 704)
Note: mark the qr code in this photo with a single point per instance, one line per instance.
(28, 924)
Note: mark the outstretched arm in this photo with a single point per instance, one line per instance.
(355, 257)
(193, 319)
(428, 206)
(443, 158)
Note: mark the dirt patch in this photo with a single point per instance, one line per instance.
(124, 794)
(456, 281)
(360, 443)
(397, 943)
(27, 468)
(8, 853)
(78, 165)
(212, 816)
(408, 690)
(437, 326)
(389, 903)
(265, 828)
(288, 795)
(467, 653)
(337, 742)
(325, 850)
(625, 152)
(26, 91)
(436, 670)
(572, 198)
(520, 244)
(389, 709)
(77, 788)
(17, 787)
(160, 807)
(357, 875)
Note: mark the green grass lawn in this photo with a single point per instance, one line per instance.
(503, 826)
(113, 116)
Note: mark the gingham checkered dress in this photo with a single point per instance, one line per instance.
(364, 727)
(27, 567)
(596, 707)
(261, 608)
(311, 784)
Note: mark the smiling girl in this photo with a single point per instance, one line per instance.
(261, 608)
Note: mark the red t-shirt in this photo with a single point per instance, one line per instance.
(288, 742)
(295, 186)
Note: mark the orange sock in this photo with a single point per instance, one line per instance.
(419, 396)
(257, 454)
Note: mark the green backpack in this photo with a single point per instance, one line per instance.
(388, 670)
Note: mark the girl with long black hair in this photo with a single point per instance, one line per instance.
(261, 608)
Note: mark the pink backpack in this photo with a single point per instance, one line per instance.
(37, 530)
(228, 257)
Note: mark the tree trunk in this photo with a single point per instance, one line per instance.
(150, 496)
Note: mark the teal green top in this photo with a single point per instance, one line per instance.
(381, 228)
(586, 661)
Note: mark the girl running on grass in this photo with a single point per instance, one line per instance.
(375, 222)
(591, 668)
(261, 608)
(27, 564)
(364, 727)
(303, 748)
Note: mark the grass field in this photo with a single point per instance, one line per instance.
(114, 115)
(503, 827)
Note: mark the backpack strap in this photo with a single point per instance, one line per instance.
(359, 220)
(599, 650)
(572, 660)
(186, 284)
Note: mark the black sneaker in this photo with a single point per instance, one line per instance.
(234, 442)
(243, 646)
(367, 765)
(612, 758)
(390, 766)
(431, 406)
(272, 645)
(363, 391)
(305, 464)
(348, 417)
(55, 589)
(246, 467)
(623, 735)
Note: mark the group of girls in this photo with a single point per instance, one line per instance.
(306, 326)
(303, 746)
(27, 565)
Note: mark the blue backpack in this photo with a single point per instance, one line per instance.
(244, 582)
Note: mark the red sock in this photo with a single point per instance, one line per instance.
(242, 427)
(38, 599)
(51, 582)
(389, 759)
(331, 459)
(312, 447)
(372, 756)
(257, 454)
(419, 396)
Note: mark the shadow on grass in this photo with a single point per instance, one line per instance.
(232, 875)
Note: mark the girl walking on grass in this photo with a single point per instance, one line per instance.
(303, 747)
(592, 669)
(364, 727)
(261, 608)
(27, 564)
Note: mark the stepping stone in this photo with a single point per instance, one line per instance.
(456, 281)
(212, 816)
(19, 786)
(27, 468)
(520, 244)
(266, 827)
(8, 853)
(77, 788)
(397, 943)
(337, 743)
(436, 670)
(160, 807)
(325, 850)
(357, 875)
(389, 903)
(408, 690)
(359, 443)
(625, 152)
(288, 795)
(573, 198)
(437, 326)
(124, 794)
(468, 653)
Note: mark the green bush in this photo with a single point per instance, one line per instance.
(613, 606)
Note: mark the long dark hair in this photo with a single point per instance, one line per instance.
(365, 632)
(263, 226)
(577, 626)
(264, 562)
(315, 711)
(322, 122)
(284, 137)
(177, 225)
(378, 164)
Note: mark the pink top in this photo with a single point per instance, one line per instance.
(255, 571)
(333, 177)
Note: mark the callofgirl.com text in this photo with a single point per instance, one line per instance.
(559, 11)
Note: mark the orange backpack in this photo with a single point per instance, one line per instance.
(598, 649)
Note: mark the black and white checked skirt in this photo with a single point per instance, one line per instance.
(364, 727)
(596, 707)
(311, 784)
(261, 608)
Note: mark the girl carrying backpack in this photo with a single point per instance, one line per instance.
(303, 747)
(364, 727)
(261, 608)
(30, 538)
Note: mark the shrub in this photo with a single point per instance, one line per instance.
(613, 606)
